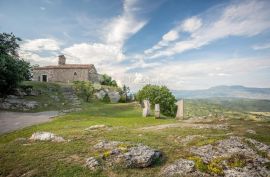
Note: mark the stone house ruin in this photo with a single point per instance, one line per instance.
(66, 72)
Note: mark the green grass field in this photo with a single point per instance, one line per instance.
(18, 157)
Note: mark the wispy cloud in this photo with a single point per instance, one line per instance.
(125, 25)
(41, 45)
(243, 18)
(204, 73)
(261, 46)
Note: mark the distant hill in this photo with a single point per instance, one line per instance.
(235, 91)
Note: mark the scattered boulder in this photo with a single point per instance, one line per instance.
(95, 127)
(141, 156)
(127, 155)
(92, 163)
(244, 172)
(181, 167)
(100, 94)
(107, 145)
(251, 131)
(253, 163)
(46, 136)
(114, 96)
(223, 148)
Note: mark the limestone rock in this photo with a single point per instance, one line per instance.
(114, 96)
(182, 167)
(15, 103)
(180, 109)
(100, 94)
(251, 131)
(95, 127)
(92, 163)
(146, 109)
(255, 163)
(141, 156)
(126, 155)
(107, 145)
(223, 148)
(46, 136)
(260, 146)
(157, 111)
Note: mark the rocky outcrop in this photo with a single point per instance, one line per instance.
(181, 167)
(127, 155)
(114, 96)
(141, 156)
(112, 93)
(92, 163)
(46, 136)
(232, 157)
(13, 102)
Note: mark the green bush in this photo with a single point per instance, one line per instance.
(107, 80)
(84, 89)
(159, 95)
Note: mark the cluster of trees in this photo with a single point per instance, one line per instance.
(13, 69)
(159, 95)
(107, 80)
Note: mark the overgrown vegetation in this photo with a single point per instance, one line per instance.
(107, 80)
(13, 69)
(84, 89)
(159, 95)
(49, 96)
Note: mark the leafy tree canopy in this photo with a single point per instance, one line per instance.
(107, 80)
(13, 70)
(84, 89)
(159, 95)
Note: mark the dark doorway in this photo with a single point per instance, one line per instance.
(44, 78)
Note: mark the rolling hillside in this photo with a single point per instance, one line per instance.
(225, 92)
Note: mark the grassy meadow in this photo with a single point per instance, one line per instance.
(22, 157)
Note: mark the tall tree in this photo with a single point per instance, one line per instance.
(13, 70)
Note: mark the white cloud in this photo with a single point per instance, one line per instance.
(125, 25)
(204, 73)
(170, 36)
(247, 18)
(95, 53)
(35, 58)
(261, 46)
(191, 24)
(41, 45)
(42, 8)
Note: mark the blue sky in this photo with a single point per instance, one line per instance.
(184, 44)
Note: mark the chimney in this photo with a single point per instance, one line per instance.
(61, 60)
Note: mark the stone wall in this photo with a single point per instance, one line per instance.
(65, 75)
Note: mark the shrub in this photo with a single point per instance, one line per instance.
(159, 95)
(84, 89)
(199, 164)
(107, 80)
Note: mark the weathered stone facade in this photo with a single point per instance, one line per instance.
(65, 72)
